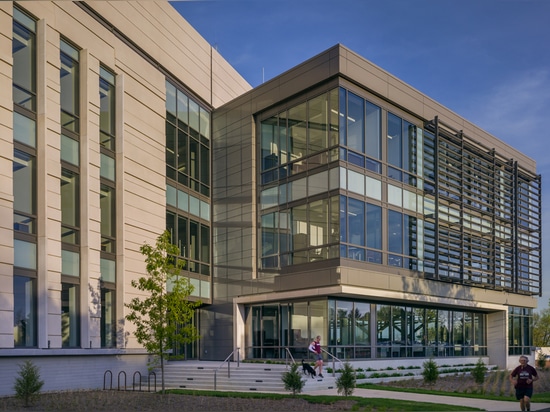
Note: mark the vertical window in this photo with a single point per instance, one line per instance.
(70, 315)
(395, 141)
(69, 81)
(356, 123)
(70, 207)
(108, 318)
(187, 141)
(25, 314)
(107, 118)
(373, 131)
(70, 194)
(318, 124)
(24, 60)
(374, 227)
(297, 131)
(107, 203)
(24, 311)
(24, 190)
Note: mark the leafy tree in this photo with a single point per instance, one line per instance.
(293, 380)
(430, 372)
(478, 372)
(163, 315)
(541, 328)
(345, 383)
(28, 383)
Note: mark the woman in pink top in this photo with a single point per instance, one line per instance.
(315, 347)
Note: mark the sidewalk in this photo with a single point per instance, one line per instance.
(483, 404)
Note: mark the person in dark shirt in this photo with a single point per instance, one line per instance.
(522, 377)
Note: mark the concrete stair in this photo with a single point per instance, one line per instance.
(244, 377)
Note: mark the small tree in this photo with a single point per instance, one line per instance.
(164, 315)
(430, 371)
(478, 372)
(28, 383)
(293, 380)
(541, 360)
(345, 383)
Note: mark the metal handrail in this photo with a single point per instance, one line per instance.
(228, 366)
(287, 354)
(334, 359)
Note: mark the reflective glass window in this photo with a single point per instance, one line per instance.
(24, 182)
(395, 232)
(25, 317)
(70, 263)
(24, 254)
(356, 222)
(394, 140)
(24, 129)
(70, 315)
(373, 131)
(24, 60)
(69, 86)
(108, 270)
(355, 121)
(108, 318)
(70, 151)
(107, 205)
(374, 226)
(107, 109)
(297, 136)
(107, 169)
(318, 123)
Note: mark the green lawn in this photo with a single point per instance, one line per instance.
(361, 404)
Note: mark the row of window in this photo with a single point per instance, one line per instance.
(440, 192)
(25, 190)
(360, 329)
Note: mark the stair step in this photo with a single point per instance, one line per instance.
(204, 375)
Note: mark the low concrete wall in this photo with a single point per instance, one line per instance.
(76, 371)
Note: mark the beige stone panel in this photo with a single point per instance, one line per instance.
(170, 40)
(6, 7)
(53, 250)
(226, 83)
(6, 309)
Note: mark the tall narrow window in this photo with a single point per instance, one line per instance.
(70, 194)
(107, 203)
(70, 111)
(188, 187)
(25, 313)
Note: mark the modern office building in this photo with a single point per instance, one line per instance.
(332, 200)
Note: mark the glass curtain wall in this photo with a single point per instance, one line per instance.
(188, 194)
(346, 328)
(188, 189)
(24, 180)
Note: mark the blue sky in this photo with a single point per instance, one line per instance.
(486, 60)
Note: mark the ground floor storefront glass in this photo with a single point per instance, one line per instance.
(353, 329)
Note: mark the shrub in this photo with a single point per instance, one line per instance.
(28, 384)
(345, 383)
(541, 360)
(478, 372)
(293, 380)
(430, 371)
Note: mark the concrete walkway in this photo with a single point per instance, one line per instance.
(483, 404)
